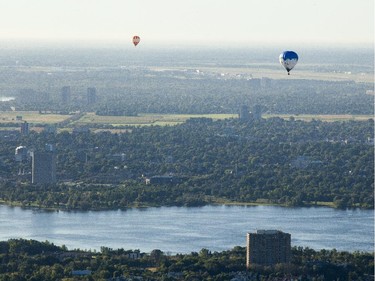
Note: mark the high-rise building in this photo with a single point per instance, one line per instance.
(24, 128)
(268, 247)
(244, 113)
(257, 112)
(91, 95)
(44, 166)
(65, 94)
(20, 154)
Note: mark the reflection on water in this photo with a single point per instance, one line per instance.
(185, 230)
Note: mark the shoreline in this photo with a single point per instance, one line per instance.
(223, 203)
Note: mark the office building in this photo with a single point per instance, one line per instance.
(257, 112)
(244, 113)
(65, 95)
(91, 95)
(268, 247)
(44, 166)
(24, 128)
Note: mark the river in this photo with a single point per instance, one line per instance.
(184, 230)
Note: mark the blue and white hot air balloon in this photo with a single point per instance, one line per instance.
(288, 59)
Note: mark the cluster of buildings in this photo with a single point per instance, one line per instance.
(91, 96)
(43, 167)
(246, 114)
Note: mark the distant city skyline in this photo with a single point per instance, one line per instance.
(199, 22)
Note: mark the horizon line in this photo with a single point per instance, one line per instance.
(88, 42)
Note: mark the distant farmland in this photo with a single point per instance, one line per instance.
(325, 118)
(146, 119)
(31, 117)
(174, 119)
(92, 120)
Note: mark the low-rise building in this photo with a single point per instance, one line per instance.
(165, 179)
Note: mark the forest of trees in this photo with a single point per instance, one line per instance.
(30, 260)
(273, 160)
(121, 92)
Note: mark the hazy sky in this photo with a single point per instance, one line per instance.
(236, 22)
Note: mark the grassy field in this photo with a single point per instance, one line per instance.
(325, 118)
(89, 119)
(146, 119)
(31, 117)
(275, 71)
(173, 119)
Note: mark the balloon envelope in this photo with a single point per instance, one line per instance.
(288, 59)
(136, 40)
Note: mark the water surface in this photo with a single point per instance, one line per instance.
(185, 230)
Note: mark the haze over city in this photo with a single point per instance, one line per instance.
(187, 140)
(207, 22)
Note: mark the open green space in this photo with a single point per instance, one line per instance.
(325, 118)
(275, 71)
(174, 119)
(31, 117)
(146, 119)
(90, 119)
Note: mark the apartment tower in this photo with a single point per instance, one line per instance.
(65, 94)
(91, 95)
(44, 166)
(268, 247)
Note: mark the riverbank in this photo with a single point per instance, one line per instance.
(61, 207)
(46, 261)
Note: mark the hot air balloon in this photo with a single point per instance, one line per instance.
(136, 40)
(288, 59)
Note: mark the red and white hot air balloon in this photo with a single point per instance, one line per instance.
(136, 40)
